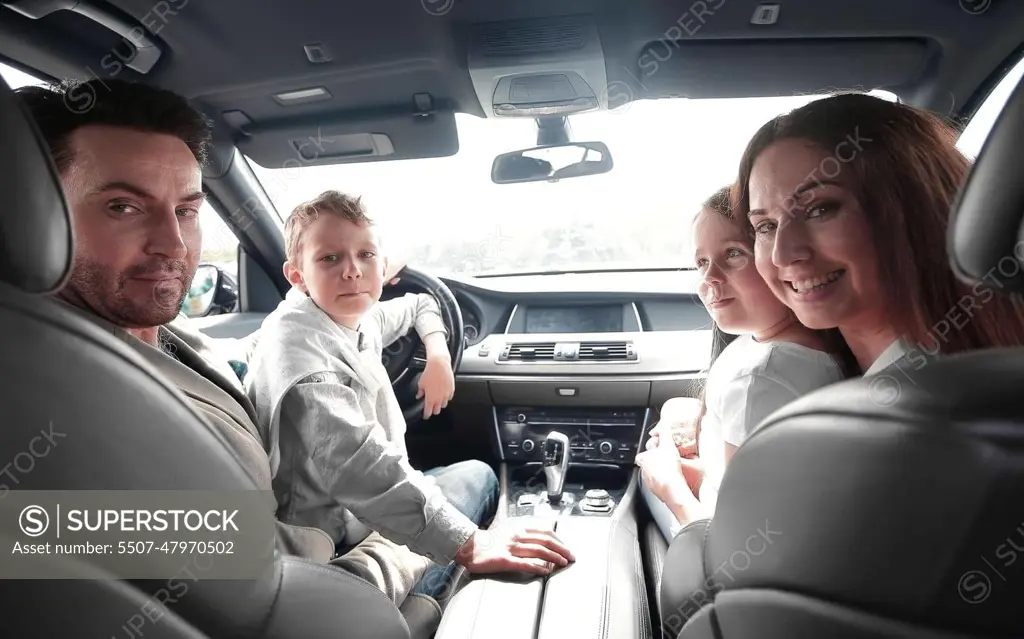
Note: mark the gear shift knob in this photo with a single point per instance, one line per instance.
(556, 463)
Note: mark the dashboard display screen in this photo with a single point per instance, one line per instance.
(574, 319)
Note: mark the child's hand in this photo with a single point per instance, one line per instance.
(678, 421)
(661, 471)
(683, 435)
(437, 384)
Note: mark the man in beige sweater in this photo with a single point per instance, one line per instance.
(131, 171)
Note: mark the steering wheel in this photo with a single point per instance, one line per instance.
(405, 359)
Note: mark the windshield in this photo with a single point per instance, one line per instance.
(447, 216)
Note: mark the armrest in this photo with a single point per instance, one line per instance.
(684, 587)
(602, 594)
(315, 600)
(499, 607)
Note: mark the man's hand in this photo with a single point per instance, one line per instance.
(437, 384)
(524, 546)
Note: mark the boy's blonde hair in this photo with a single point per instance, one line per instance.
(329, 202)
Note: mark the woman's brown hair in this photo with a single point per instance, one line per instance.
(906, 173)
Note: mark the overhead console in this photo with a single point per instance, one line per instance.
(538, 67)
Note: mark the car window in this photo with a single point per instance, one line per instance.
(220, 245)
(974, 135)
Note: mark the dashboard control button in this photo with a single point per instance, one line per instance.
(528, 446)
(605, 447)
(521, 418)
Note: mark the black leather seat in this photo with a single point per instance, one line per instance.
(887, 506)
(124, 428)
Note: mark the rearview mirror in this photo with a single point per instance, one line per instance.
(552, 163)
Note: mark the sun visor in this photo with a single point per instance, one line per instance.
(759, 68)
(342, 140)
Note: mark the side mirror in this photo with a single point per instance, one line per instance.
(552, 163)
(213, 292)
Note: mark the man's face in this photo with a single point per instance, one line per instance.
(134, 200)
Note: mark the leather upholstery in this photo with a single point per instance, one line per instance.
(888, 505)
(92, 600)
(986, 234)
(602, 595)
(422, 614)
(122, 427)
(907, 512)
(494, 607)
(35, 250)
(654, 548)
(684, 588)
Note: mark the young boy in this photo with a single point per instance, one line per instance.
(333, 427)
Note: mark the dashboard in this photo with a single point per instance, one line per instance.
(591, 355)
(584, 354)
(587, 343)
(635, 324)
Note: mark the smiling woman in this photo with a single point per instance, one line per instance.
(863, 248)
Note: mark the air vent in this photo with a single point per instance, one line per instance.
(606, 351)
(528, 352)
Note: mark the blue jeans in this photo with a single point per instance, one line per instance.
(472, 487)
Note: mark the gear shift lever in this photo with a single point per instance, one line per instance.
(556, 464)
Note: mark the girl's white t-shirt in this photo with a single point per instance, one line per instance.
(749, 381)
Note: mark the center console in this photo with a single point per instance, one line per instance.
(596, 435)
(572, 469)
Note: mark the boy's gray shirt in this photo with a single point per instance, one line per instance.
(335, 433)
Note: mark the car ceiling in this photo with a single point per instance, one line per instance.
(232, 55)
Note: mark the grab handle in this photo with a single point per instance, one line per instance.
(147, 52)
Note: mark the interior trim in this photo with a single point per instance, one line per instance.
(497, 433)
(644, 426)
(569, 379)
(639, 322)
(511, 316)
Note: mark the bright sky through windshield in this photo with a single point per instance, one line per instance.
(446, 215)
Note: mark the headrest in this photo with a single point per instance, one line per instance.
(35, 230)
(986, 232)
